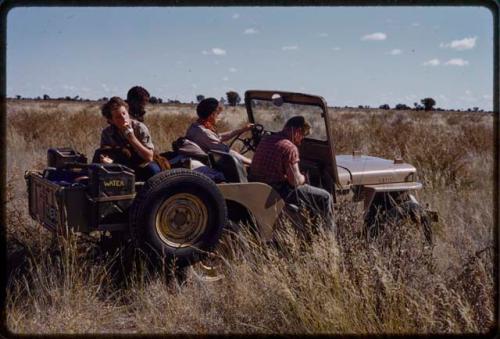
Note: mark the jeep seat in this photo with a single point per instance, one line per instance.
(229, 165)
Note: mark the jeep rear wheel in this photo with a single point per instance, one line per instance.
(178, 214)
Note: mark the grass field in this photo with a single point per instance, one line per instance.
(342, 285)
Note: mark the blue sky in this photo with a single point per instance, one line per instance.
(349, 55)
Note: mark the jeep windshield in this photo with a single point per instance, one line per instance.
(273, 114)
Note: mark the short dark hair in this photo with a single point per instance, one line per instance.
(298, 122)
(206, 107)
(137, 94)
(113, 104)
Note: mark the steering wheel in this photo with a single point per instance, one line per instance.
(249, 144)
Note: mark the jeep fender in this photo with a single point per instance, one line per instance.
(263, 202)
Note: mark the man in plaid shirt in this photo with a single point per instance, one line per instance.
(276, 162)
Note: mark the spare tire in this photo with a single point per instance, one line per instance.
(178, 214)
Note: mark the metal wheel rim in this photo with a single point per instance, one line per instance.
(181, 220)
(208, 269)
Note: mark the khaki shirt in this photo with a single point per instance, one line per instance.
(111, 136)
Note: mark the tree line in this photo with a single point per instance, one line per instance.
(233, 99)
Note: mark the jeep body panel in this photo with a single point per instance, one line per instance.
(368, 170)
(260, 199)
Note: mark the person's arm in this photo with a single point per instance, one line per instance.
(225, 136)
(293, 175)
(144, 152)
(243, 158)
(207, 140)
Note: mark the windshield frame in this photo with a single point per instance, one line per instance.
(300, 99)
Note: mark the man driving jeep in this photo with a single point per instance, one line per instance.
(276, 162)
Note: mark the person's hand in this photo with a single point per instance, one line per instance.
(247, 127)
(105, 159)
(127, 130)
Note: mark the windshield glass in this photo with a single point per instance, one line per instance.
(273, 117)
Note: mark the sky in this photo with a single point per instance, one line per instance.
(349, 55)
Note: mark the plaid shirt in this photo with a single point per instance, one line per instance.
(272, 157)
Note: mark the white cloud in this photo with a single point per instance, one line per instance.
(468, 92)
(460, 45)
(396, 51)
(487, 97)
(235, 16)
(250, 31)
(218, 51)
(415, 24)
(323, 35)
(456, 62)
(432, 62)
(225, 79)
(233, 70)
(375, 37)
(336, 48)
(290, 48)
(214, 51)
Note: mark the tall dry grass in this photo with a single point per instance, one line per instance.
(330, 284)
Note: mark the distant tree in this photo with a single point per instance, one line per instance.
(428, 103)
(200, 97)
(418, 107)
(233, 98)
(76, 97)
(160, 100)
(384, 106)
(367, 106)
(475, 109)
(104, 99)
(222, 101)
(18, 97)
(361, 106)
(38, 98)
(153, 100)
(67, 98)
(46, 97)
(402, 107)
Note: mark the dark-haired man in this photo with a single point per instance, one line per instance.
(137, 98)
(276, 162)
(203, 131)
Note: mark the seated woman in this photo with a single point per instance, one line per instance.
(130, 137)
(203, 131)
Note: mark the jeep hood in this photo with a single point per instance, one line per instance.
(367, 170)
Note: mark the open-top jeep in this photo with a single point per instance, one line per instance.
(182, 212)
